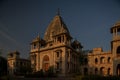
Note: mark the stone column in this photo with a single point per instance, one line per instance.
(116, 31)
(38, 61)
(65, 39)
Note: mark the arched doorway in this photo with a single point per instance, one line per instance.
(96, 61)
(96, 71)
(118, 70)
(45, 63)
(85, 71)
(108, 71)
(102, 70)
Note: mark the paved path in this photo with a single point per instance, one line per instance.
(45, 78)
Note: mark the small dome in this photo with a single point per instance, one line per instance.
(117, 23)
(56, 27)
(36, 39)
(76, 42)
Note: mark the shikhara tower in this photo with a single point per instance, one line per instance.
(56, 50)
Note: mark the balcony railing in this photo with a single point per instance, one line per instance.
(118, 55)
(116, 37)
(33, 50)
(59, 59)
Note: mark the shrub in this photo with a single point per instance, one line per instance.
(97, 77)
(41, 73)
(50, 72)
(36, 74)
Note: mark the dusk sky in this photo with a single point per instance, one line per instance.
(88, 21)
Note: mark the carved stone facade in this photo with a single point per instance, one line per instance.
(56, 50)
(104, 63)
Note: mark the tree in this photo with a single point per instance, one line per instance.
(3, 66)
(50, 72)
(0, 52)
(83, 57)
(22, 70)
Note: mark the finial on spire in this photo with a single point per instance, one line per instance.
(38, 35)
(58, 12)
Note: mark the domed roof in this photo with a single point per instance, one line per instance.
(117, 23)
(56, 27)
(76, 42)
(36, 39)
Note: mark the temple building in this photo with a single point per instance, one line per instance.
(98, 62)
(57, 49)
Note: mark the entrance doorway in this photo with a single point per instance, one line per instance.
(45, 63)
(118, 70)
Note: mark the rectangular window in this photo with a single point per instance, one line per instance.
(34, 46)
(59, 39)
(57, 54)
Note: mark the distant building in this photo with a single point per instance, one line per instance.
(98, 62)
(56, 50)
(17, 65)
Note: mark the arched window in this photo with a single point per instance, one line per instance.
(46, 58)
(109, 59)
(108, 71)
(118, 50)
(45, 63)
(34, 46)
(96, 71)
(59, 39)
(102, 60)
(96, 61)
(85, 71)
(86, 61)
(102, 70)
(58, 53)
(118, 70)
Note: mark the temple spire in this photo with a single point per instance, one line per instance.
(58, 12)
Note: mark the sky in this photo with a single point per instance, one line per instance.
(89, 21)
